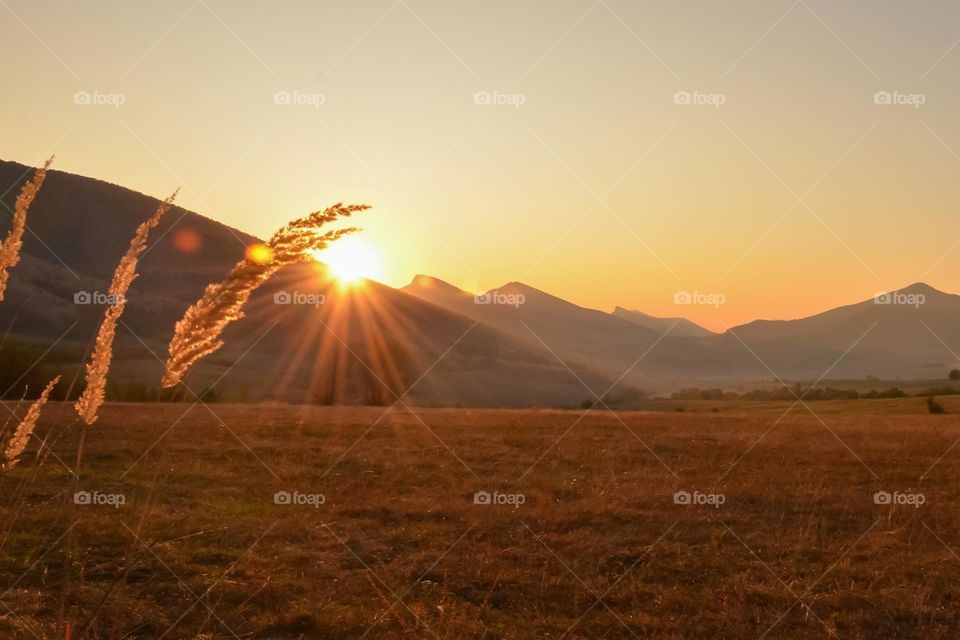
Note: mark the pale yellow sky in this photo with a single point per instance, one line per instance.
(784, 184)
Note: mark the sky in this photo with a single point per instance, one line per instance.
(777, 157)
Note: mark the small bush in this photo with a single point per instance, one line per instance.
(934, 406)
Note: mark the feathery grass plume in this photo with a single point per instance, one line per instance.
(18, 442)
(126, 272)
(198, 332)
(10, 247)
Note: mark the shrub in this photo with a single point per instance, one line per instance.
(934, 406)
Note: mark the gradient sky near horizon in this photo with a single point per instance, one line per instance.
(796, 194)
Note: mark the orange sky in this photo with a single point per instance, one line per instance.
(610, 152)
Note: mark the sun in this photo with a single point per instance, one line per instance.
(350, 260)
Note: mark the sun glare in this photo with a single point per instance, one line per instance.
(350, 259)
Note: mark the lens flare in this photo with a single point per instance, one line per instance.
(350, 260)
(259, 253)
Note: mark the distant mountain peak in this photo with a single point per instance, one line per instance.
(921, 287)
(517, 287)
(919, 290)
(423, 281)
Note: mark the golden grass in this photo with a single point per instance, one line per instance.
(124, 275)
(198, 333)
(799, 523)
(21, 436)
(10, 247)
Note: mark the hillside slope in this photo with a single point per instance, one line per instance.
(79, 228)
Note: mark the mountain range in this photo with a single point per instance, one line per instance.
(305, 338)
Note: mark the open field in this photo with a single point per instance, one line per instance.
(909, 406)
(398, 549)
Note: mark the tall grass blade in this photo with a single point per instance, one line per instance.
(10, 247)
(126, 272)
(198, 333)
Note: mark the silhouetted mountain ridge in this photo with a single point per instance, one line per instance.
(679, 327)
(514, 345)
(79, 229)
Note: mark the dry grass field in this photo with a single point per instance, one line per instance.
(399, 549)
(912, 405)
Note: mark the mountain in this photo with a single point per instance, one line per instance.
(358, 345)
(910, 332)
(569, 332)
(306, 338)
(900, 336)
(679, 327)
(77, 230)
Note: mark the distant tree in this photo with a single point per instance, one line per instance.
(934, 406)
(941, 391)
(892, 392)
(954, 374)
